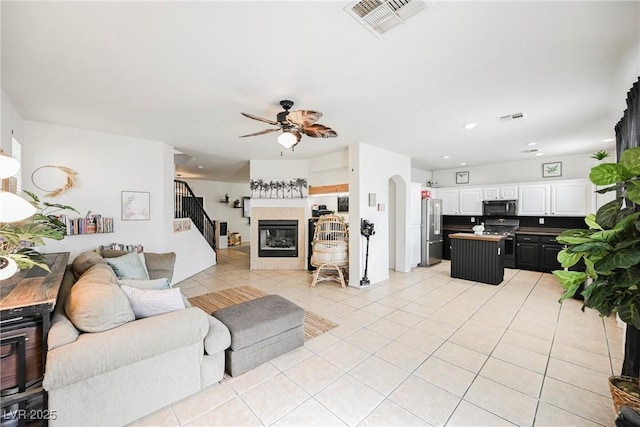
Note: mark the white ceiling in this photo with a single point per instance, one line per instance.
(181, 72)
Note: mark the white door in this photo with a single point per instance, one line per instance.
(490, 193)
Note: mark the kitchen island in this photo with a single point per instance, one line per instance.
(479, 258)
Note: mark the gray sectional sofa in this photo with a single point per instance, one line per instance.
(133, 367)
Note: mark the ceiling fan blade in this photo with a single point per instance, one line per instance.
(319, 131)
(251, 116)
(260, 133)
(304, 117)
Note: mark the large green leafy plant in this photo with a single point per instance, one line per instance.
(18, 239)
(610, 247)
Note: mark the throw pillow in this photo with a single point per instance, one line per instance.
(129, 266)
(96, 303)
(151, 302)
(84, 262)
(146, 284)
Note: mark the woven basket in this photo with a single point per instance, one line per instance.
(330, 252)
(620, 397)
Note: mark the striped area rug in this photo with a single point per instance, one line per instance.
(314, 324)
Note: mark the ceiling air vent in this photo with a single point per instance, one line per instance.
(379, 16)
(510, 117)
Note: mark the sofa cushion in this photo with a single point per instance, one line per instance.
(84, 262)
(96, 303)
(162, 283)
(160, 265)
(129, 266)
(151, 302)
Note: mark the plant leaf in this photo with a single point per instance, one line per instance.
(630, 159)
(609, 173)
(625, 258)
(633, 191)
(570, 281)
(575, 236)
(567, 259)
(590, 220)
(607, 214)
(630, 314)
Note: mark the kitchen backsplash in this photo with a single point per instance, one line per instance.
(525, 221)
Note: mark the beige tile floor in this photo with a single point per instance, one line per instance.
(418, 349)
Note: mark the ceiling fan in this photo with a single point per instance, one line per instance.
(293, 124)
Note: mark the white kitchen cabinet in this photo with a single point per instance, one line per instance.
(561, 198)
(500, 193)
(533, 200)
(470, 201)
(570, 198)
(456, 201)
(449, 198)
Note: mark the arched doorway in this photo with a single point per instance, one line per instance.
(398, 226)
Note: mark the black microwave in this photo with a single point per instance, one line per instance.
(500, 208)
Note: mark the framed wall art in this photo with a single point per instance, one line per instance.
(462, 177)
(551, 169)
(135, 206)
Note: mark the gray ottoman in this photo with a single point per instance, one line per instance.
(261, 329)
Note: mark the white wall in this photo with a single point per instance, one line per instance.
(213, 192)
(106, 165)
(577, 166)
(11, 122)
(370, 169)
(329, 169)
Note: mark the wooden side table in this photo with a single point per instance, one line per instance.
(29, 294)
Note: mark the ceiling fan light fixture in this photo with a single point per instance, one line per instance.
(287, 139)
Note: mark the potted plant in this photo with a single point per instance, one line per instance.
(600, 155)
(610, 250)
(18, 240)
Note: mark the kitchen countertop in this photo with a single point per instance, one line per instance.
(472, 236)
(540, 231)
(462, 228)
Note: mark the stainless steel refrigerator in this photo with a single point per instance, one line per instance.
(431, 240)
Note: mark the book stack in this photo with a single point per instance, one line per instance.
(92, 223)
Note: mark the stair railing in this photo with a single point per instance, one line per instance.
(188, 205)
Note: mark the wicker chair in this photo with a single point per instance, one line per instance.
(330, 249)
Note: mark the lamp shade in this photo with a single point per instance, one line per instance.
(14, 208)
(8, 267)
(8, 166)
(287, 139)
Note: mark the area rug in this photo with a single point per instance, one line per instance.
(314, 324)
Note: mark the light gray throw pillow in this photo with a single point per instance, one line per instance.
(152, 302)
(129, 266)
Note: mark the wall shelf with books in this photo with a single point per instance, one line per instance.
(90, 224)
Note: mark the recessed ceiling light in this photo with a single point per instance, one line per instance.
(463, 164)
(469, 125)
(446, 157)
(200, 167)
(539, 154)
(608, 140)
(531, 144)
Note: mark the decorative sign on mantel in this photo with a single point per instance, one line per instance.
(285, 188)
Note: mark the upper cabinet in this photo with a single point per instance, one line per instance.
(534, 200)
(500, 193)
(456, 201)
(561, 198)
(570, 197)
(471, 201)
